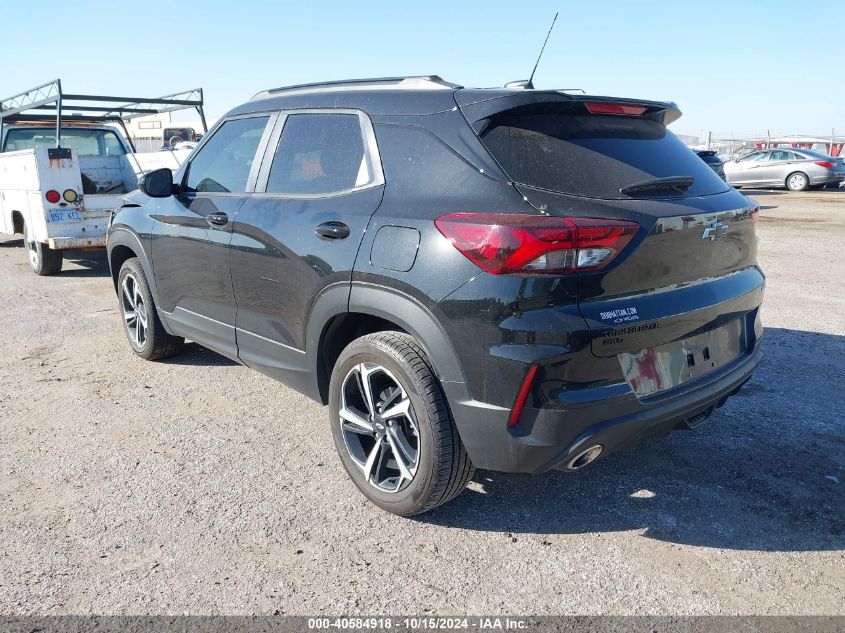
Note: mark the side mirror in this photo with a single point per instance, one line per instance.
(157, 183)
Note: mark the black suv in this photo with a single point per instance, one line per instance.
(509, 279)
(711, 157)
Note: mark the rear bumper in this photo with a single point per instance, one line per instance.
(828, 178)
(64, 243)
(549, 438)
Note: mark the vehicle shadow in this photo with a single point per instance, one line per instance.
(197, 355)
(766, 473)
(90, 264)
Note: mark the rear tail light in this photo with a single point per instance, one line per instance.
(532, 244)
(599, 107)
(70, 195)
(824, 163)
(52, 196)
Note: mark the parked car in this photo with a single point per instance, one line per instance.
(712, 159)
(421, 258)
(793, 168)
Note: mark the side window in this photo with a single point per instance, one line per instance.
(753, 157)
(319, 154)
(223, 164)
(111, 146)
(779, 155)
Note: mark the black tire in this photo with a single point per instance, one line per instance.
(797, 181)
(134, 291)
(42, 259)
(443, 467)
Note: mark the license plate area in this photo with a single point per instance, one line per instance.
(66, 214)
(656, 369)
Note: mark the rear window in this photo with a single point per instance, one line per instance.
(711, 158)
(87, 142)
(566, 149)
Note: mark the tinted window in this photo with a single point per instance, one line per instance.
(223, 164)
(591, 155)
(319, 154)
(87, 142)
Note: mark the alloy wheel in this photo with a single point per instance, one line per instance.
(797, 182)
(379, 427)
(134, 311)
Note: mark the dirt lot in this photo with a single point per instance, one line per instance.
(199, 486)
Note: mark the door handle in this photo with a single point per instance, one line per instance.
(218, 218)
(332, 231)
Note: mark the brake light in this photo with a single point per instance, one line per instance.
(599, 107)
(532, 244)
(824, 163)
(522, 396)
(52, 196)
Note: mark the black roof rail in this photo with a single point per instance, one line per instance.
(411, 82)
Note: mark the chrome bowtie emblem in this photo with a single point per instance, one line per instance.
(716, 231)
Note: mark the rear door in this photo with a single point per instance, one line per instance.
(691, 268)
(193, 229)
(319, 184)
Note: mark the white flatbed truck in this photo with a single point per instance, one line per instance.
(63, 173)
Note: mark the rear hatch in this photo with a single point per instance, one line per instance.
(686, 287)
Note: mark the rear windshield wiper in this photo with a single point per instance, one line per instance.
(673, 184)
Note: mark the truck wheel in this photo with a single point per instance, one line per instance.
(143, 328)
(392, 426)
(42, 259)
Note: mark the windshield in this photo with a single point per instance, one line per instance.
(87, 142)
(571, 151)
(814, 154)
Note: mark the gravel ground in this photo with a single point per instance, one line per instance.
(199, 486)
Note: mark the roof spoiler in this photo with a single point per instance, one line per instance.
(476, 107)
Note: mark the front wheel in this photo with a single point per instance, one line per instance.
(392, 426)
(143, 328)
(43, 260)
(797, 181)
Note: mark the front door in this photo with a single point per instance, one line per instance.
(320, 183)
(193, 230)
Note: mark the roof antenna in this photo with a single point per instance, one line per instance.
(529, 83)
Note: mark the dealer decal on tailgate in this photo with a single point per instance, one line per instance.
(65, 215)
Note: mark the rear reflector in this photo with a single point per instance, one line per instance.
(522, 396)
(599, 107)
(824, 163)
(52, 196)
(535, 244)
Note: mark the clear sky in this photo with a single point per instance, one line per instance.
(734, 67)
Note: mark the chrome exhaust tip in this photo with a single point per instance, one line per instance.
(584, 457)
